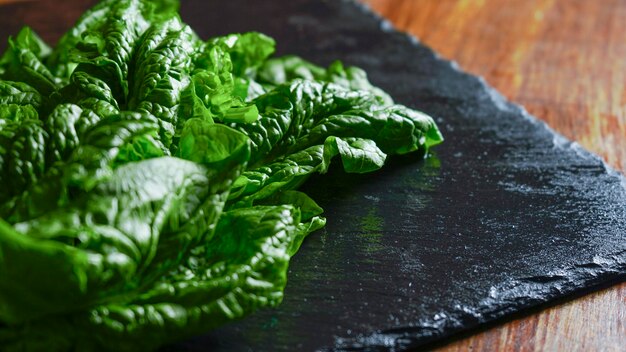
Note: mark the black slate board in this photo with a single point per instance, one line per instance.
(504, 216)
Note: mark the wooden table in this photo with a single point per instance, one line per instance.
(565, 61)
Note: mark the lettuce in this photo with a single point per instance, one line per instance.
(150, 178)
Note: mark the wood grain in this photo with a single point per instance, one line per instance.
(565, 61)
(2, 2)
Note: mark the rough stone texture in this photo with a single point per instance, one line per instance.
(504, 216)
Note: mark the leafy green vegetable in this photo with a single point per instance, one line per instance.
(18, 102)
(150, 178)
(23, 62)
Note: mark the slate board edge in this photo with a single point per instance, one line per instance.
(522, 292)
(427, 331)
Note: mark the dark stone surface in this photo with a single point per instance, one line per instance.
(504, 216)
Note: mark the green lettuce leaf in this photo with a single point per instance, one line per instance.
(291, 110)
(138, 221)
(101, 147)
(18, 102)
(357, 156)
(150, 178)
(239, 271)
(23, 62)
(161, 72)
(288, 68)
